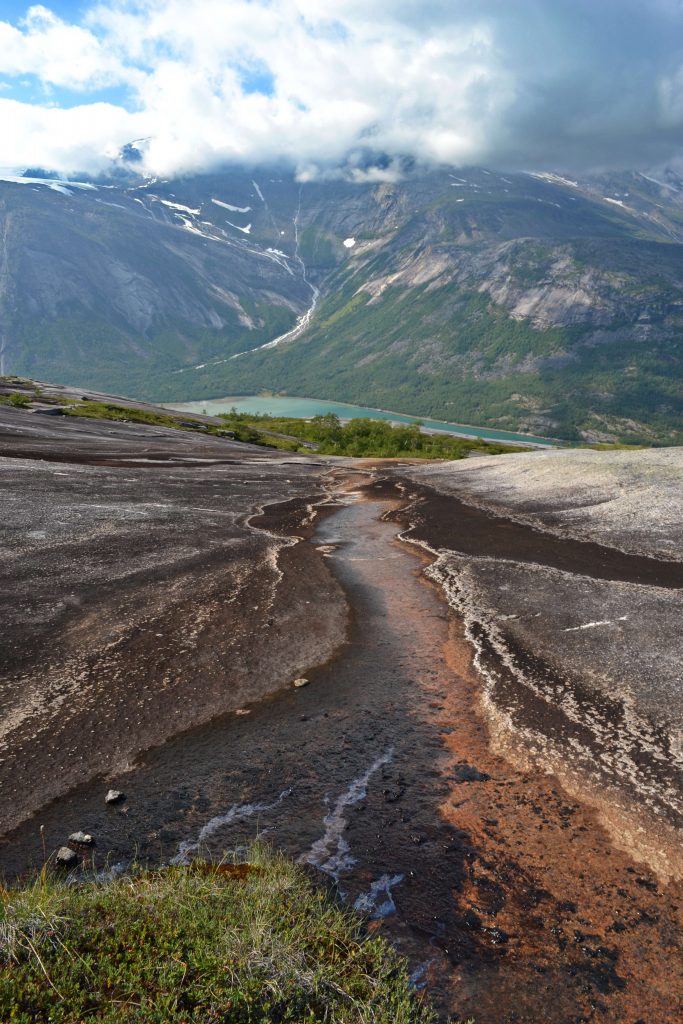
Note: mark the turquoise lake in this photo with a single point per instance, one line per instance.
(279, 405)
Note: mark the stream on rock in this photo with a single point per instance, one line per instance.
(366, 775)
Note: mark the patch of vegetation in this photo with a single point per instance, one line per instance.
(235, 944)
(113, 411)
(603, 446)
(17, 399)
(360, 438)
(315, 247)
(367, 438)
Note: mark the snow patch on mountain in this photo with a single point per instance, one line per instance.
(246, 230)
(554, 179)
(662, 184)
(179, 206)
(56, 184)
(229, 206)
(189, 226)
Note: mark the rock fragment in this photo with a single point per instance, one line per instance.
(114, 796)
(66, 858)
(301, 682)
(81, 839)
(468, 773)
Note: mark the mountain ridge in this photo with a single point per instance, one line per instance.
(520, 301)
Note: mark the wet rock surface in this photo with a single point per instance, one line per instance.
(389, 775)
(136, 597)
(468, 773)
(505, 891)
(578, 644)
(629, 500)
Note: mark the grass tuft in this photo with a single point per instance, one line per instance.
(235, 945)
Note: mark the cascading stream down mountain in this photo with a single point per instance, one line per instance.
(305, 319)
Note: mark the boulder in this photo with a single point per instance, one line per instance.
(301, 682)
(114, 796)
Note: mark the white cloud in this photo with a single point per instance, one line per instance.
(535, 82)
(79, 138)
(59, 54)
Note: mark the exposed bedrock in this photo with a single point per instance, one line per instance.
(137, 595)
(558, 565)
(630, 500)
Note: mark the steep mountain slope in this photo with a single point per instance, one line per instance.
(123, 285)
(513, 301)
(522, 301)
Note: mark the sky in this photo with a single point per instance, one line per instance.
(530, 84)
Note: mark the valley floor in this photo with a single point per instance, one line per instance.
(173, 619)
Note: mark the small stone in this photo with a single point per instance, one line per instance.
(468, 773)
(66, 858)
(81, 839)
(114, 796)
(301, 682)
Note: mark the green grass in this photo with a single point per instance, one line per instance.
(199, 943)
(17, 399)
(113, 411)
(602, 446)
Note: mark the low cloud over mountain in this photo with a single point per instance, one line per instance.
(535, 83)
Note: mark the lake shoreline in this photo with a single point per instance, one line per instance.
(468, 431)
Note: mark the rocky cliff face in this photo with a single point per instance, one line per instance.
(524, 301)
